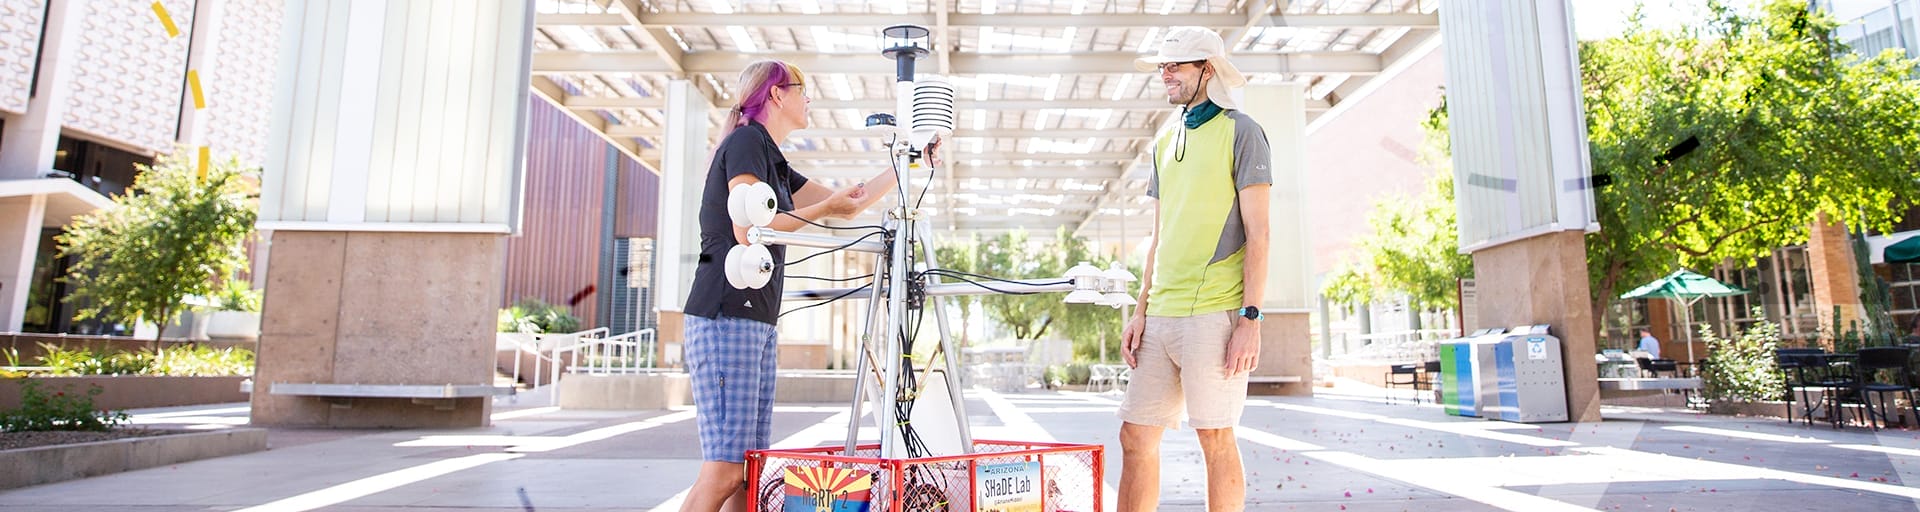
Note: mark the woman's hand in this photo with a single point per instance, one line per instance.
(845, 203)
(932, 152)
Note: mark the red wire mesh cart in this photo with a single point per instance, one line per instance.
(1000, 476)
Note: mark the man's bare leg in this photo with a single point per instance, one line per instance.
(717, 488)
(1226, 480)
(1139, 467)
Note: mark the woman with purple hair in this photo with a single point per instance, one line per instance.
(731, 338)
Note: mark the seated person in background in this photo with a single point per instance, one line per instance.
(1913, 333)
(1649, 344)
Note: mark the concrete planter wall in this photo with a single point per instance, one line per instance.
(1370, 373)
(191, 325)
(135, 391)
(29, 345)
(233, 325)
(1769, 409)
(47, 464)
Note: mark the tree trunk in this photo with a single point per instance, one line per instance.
(966, 321)
(1603, 294)
(159, 329)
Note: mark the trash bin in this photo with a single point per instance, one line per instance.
(1505, 374)
(1466, 372)
(1531, 385)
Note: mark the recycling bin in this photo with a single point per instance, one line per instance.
(1467, 372)
(1530, 383)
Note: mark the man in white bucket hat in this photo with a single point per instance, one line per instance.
(1195, 335)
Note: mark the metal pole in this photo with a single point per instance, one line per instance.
(767, 236)
(896, 307)
(860, 374)
(946, 346)
(1900, 29)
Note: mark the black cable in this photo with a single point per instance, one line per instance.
(833, 279)
(893, 164)
(923, 190)
(919, 319)
(825, 302)
(988, 288)
(819, 225)
(855, 241)
(958, 274)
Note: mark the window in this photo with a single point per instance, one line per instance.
(1621, 327)
(1797, 315)
(1905, 289)
(105, 169)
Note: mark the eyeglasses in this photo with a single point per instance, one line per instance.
(801, 85)
(1169, 67)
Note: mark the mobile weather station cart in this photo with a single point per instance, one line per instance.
(925, 459)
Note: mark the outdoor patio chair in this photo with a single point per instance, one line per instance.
(1653, 367)
(1868, 373)
(1106, 377)
(1430, 378)
(1403, 375)
(1796, 367)
(1839, 384)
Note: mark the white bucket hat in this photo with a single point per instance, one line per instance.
(1188, 44)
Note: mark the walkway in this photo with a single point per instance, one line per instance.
(1329, 452)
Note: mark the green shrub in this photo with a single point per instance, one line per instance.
(179, 361)
(237, 295)
(61, 410)
(1076, 374)
(536, 316)
(85, 361)
(1743, 368)
(201, 361)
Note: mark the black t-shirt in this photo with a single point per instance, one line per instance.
(748, 150)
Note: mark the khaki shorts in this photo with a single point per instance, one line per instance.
(1181, 369)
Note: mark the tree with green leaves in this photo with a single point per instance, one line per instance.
(1725, 138)
(965, 257)
(1087, 325)
(1011, 255)
(1413, 248)
(1014, 255)
(174, 233)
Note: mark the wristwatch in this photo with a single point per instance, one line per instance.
(1252, 313)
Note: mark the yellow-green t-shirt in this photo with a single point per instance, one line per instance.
(1197, 267)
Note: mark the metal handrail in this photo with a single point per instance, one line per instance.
(634, 352)
(624, 354)
(1407, 345)
(546, 350)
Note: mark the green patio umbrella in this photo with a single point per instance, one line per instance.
(1905, 251)
(1689, 287)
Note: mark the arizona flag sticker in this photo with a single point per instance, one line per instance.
(827, 490)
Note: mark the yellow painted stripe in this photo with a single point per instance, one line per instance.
(193, 82)
(166, 20)
(205, 155)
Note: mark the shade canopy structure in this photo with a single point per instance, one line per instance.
(1054, 127)
(1904, 251)
(1687, 287)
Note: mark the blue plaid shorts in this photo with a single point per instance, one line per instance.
(732, 363)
